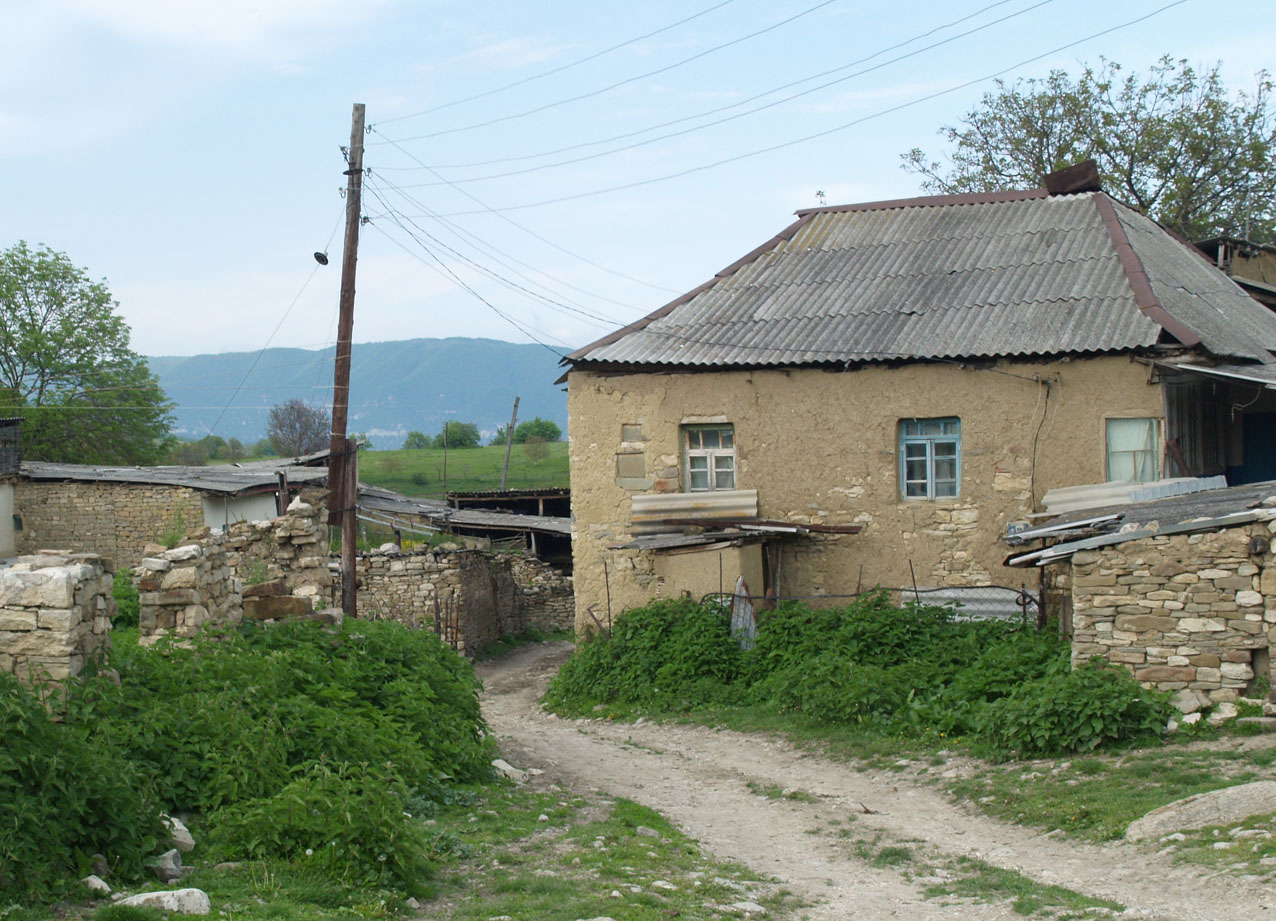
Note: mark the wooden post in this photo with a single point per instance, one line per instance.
(509, 440)
(342, 496)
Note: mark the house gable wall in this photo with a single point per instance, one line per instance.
(822, 447)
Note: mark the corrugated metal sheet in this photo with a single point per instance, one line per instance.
(946, 281)
(650, 511)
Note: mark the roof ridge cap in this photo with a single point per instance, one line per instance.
(1135, 273)
(934, 201)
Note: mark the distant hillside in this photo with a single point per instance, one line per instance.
(395, 387)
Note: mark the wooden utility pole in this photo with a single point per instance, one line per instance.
(343, 486)
(509, 440)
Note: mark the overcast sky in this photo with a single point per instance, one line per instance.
(189, 152)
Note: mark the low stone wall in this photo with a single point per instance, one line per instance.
(293, 549)
(185, 589)
(262, 570)
(116, 520)
(1187, 611)
(470, 597)
(55, 613)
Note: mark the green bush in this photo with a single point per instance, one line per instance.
(277, 739)
(126, 599)
(1068, 710)
(871, 665)
(664, 654)
(347, 819)
(64, 796)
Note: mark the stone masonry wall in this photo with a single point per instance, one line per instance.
(115, 520)
(292, 549)
(184, 589)
(1187, 611)
(469, 597)
(202, 581)
(55, 613)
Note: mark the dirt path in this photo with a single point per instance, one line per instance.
(700, 780)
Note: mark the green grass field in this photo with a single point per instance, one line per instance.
(420, 472)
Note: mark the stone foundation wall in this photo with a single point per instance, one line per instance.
(115, 520)
(55, 613)
(1188, 611)
(470, 597)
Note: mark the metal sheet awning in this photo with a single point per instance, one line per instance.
(1262, 375)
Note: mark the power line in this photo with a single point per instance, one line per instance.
(527, 230)
(442, 266)
(729, 118)
(603, 322)
(489, 249)
(733, 105)
(627, 80)
(561, 68)
(819, 134)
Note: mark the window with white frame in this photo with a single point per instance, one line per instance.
(930, 458)
(710, 457)
(1133, 450)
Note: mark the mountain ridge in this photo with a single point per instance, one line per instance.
(396, 386)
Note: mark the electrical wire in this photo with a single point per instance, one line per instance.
(442, 267)
(482, 245)
(829, 131)
(619, 83)
(527, 230)
(753, 98)
(559, 69)
(600, 321)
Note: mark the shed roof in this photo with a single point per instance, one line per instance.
(222, 479)
(950, 277)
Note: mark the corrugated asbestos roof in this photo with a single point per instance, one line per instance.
(223, 479)
(948, 278)
(441, 514)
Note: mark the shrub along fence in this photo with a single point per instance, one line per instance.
(968, 602)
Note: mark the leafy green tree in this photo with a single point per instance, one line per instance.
(1175, 145)
(261, 447)
(458, 435)
(416, 441)
(67, 369)
(499, 437)
(535, 449)
(540, 428)
(235, 449)
(295, 428)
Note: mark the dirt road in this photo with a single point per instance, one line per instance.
(705, 781)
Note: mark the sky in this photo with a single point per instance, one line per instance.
(190, 152)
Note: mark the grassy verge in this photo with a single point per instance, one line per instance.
(420, 472)
(1097, 797)
(505, 851)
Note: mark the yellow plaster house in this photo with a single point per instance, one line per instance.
(872, 396)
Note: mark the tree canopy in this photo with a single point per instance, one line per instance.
(457, 435)
(296, 428)
(416, 441)
(1174, 144)
(67, 369)
(540, 428)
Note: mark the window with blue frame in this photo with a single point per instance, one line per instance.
(930, 458)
